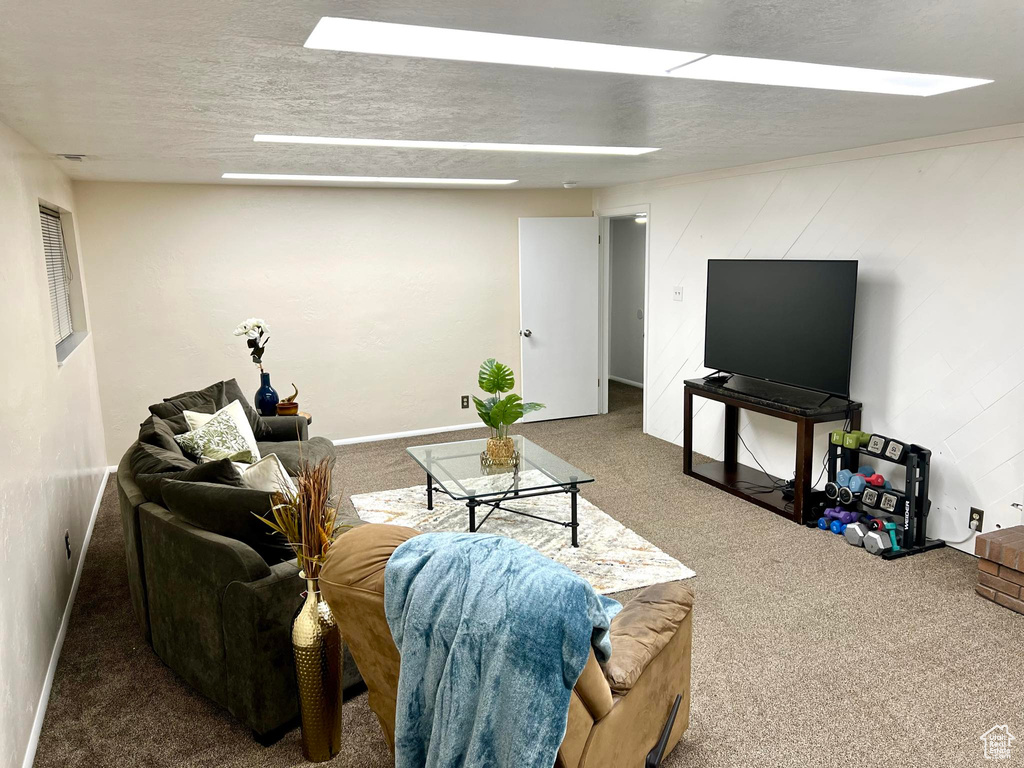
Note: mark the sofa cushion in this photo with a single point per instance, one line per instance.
(292, 453)
(156, 431)
(267, 475)
(149, 459)
(222, 472)
(187, 401)
(229, 512)
(219, 394)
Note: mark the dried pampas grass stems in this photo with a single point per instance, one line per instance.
(307, 517)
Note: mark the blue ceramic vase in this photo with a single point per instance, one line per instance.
(266, 397)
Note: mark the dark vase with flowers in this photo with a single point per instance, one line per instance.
(257, 334)
(266, 396)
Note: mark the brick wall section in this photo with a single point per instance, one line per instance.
(1001, 567)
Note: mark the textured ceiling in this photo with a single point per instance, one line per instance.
(174, 91)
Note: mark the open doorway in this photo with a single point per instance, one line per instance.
(625, 321)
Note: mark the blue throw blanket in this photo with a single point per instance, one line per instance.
(493, 636)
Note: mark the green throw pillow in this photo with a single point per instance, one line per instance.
(231, 512)
(156, 431)
(220, 437)
(221, 472)
(209, 400)
(149, 459)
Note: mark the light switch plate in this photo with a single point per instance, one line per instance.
(677, 293)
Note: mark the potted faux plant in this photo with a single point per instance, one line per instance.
(499, 413)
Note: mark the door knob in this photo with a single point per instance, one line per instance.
(527, 333)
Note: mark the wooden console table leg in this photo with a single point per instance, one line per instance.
(687, 432)
(732, 435)
(804, 467)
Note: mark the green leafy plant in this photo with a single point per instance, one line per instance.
(497, 412)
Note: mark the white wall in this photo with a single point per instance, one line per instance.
(51, 456)
(938, 227)
(382, 303)
(625, 328)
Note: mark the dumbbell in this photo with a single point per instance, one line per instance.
(854, 439)
(855, 532)
(870, 498)
(842, 480)
(856, 485)
(829, 515)
(842, 519)
(879, 445)
(888, 501)
(882, 540)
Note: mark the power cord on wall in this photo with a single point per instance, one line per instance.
(974, 527)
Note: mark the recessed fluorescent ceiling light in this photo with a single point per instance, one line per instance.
(798, 74)
(568, 149)
(366, 179)
(356, 36)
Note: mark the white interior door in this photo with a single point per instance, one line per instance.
(559, 315)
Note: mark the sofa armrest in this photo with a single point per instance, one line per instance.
(187, 573)
(258, 649)
(592, 688)
(642, 629)
(284, 428)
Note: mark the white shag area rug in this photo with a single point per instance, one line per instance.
(610, 556)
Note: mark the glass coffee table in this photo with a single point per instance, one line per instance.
(455, 469)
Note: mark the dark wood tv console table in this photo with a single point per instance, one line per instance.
(803, 408)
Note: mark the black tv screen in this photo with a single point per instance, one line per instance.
(789, 322)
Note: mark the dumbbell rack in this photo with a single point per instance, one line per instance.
(913, 500)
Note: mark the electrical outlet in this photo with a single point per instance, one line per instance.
(465, 401)
(977, 520)
(677, 293)
(67, 543)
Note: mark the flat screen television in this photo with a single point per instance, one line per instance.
(785, 321)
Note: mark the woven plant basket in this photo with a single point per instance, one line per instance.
(501, 452)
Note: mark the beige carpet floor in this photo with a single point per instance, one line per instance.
(807, 652)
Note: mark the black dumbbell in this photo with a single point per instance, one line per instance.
(888, 501)
(871, 498)
(879, 445)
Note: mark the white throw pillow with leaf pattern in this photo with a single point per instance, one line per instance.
(227, 434)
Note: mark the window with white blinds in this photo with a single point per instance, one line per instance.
(58, 273)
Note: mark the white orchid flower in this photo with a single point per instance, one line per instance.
(252, 328)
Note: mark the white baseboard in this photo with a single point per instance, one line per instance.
(44, 696)
(409, 433)
(631, 383)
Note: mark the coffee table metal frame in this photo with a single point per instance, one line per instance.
(496, 499)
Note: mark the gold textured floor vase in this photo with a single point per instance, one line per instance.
(319, 664)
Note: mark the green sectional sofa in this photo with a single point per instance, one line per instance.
(215, 608)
